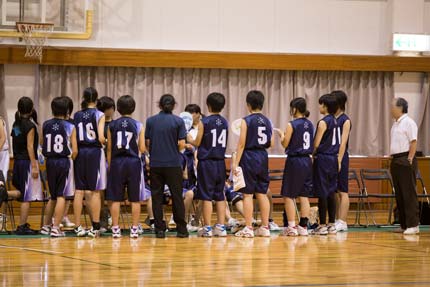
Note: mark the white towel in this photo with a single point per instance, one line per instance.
(238, 180)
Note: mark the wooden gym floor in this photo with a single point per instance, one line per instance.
(361, 257)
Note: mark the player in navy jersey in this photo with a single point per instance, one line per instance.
(343, 161)
(297, 180)
(90, 164)
(107, 106)
(59, 148)
(256, 135)
(325, 168)
(26, 178)
(126, 143)
(190, 151)
(212, 142)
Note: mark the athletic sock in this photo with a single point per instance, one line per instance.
(96, 225)
(304, 221)
(291, 223)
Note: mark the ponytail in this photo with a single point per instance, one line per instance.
(307, 114)
(90, 95)
(33, 116)
(167, 103)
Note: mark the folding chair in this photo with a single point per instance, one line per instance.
(360, 195)
(9, 203)
(381, 175)
(424, 194)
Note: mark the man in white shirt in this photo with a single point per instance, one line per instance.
(404, 166)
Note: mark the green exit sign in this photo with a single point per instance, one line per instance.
(411, 42)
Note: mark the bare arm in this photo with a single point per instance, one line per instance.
(2, 134)
(199, 137)
(322, 127)
(31, 155)
(74, 142)
(101, 130)
(412, 150)
(345, 135)
(287, 136)
(142, 142)
(181, 144)
(240, 144)
(109, 147)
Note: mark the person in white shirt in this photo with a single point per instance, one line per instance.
(404, 166)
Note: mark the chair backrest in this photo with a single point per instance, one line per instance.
(380, 174)
(353, 176)
(276, 174)
(9, 183)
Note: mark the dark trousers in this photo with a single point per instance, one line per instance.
(172, 176)
(404, 179)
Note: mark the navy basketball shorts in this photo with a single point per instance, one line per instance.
(342, 180)
(125, 173)
(59, 173)
(233, 196)
(297, 179)
(211, 177)
(255, 168)
(29, 187)
(90, 169)
(325, 173)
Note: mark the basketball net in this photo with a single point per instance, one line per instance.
(35, 36)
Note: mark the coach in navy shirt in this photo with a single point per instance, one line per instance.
(165, 136)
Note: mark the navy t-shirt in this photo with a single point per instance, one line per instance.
(164, 131)
(214, 141)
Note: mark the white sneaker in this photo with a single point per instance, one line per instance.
(93, 233)
(303, 231)
(262, 231)
(140, 229)
(116, 233)
(171, 221)
(232, 222)
(412, 230)
(245, 232)
(320, 230)
(331, 229)
(341, 225)
(56, 232)
(273, 226)
(205, 231)
(192, 228)
(67, 223)
(219, 230)
(134, 233)
(80, 231)
(45, 230)
(290, 231)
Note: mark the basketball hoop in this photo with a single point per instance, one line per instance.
(35, 36)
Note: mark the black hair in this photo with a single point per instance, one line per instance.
(255, 99)
(60, 107)
(330, 101)
(105, 103)
(300, 105)
(90, 95)
(69, 104)
(341, 98)
(216, 101)
(193, 109)
(167, 103)
(25, 107)
(126, 105)
(401, 102)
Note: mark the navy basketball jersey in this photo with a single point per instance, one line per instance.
(259, 132)
(214, 141)
(86, 123)
(124, 134)
(331, 138)
(341, 121)
(56, 138)
(302, 139)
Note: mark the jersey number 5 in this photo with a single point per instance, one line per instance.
(262, 136)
